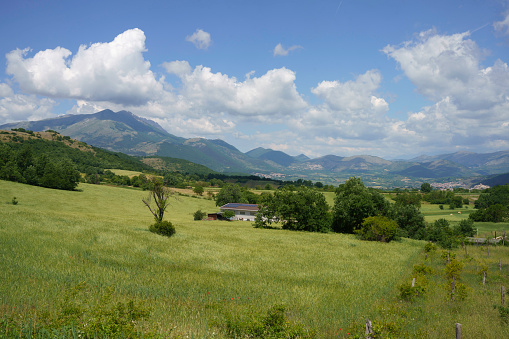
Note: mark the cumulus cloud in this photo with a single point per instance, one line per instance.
(503, 26)
(273, 93)
(281, 51)
(200, 39)
(19, 107)
(114, 71)
(450, 66)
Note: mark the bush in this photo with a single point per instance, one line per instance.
(14, 201)
(378, 229)
(465, 228)
(199, 215)
(165, 228)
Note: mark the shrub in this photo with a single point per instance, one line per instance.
(430, 247)
(164, 227)
(14, 201)
(199, 215)
(274, 324)
(409, 293)
(465, 228)
(378, 228)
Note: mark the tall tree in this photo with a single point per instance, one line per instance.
(353, 203)
(159, 196)
(230, 193)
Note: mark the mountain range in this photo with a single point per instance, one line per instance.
(133, 135)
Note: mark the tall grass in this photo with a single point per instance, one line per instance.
(53, 240)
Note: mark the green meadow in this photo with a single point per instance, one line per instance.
(97, 239)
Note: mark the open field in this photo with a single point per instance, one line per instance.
(53, 240)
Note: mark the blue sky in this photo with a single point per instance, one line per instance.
(392, 78)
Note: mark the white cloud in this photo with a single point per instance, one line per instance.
(281, 51)
(114, 71)
(503, 26)
(203, 91)
(450, 66)
(200, 39)
(19, 107)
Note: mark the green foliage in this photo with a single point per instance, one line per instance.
(406, 198)
(430, 247)
(440, 233)
(492, 213)
(444, 198)
(426, 187)
(422, 269)
(302, 210)
(78, 317)
(453, 269)
(21, 165)
(465, 228)
(409, 219)
(199, 215)
(14, 201)
(353, 203)
(230, 193)
(503, 312)
(378, 228)
(409, 293)
(164, 227)
(198, 190)
(273, 325)
(492, 196)
(228, 214)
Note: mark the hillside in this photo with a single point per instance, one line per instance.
(90, 159)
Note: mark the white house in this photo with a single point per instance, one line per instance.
(242, 211)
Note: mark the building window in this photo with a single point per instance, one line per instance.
(243, 213)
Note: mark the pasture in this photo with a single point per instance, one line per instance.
(98, 238)
(54, 240)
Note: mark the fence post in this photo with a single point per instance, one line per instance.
(369, 330)
(458, 331)
(413, 282)
(484, 278)
(499, 264)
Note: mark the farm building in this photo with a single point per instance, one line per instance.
(242, 211)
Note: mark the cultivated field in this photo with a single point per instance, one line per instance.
(98, 239)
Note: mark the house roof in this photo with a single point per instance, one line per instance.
(240, 207)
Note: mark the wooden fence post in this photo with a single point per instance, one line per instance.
(369, 329)
(458, 331)
(484, 278)
(413, 282)
(448, 257)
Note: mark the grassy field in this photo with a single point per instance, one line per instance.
(53, 241)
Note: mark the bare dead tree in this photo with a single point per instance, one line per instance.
(158, 200)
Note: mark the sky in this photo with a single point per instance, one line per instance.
(394, 78)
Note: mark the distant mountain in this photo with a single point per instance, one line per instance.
(276, 157)
(127, 133)
(120, 132)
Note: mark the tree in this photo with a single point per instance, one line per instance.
(198, 190)
(159, 195)
(409, 219)
(230, 193)
(378, 228)
(408, 199)
(353, 203)
(301, 210)
(426, 187)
